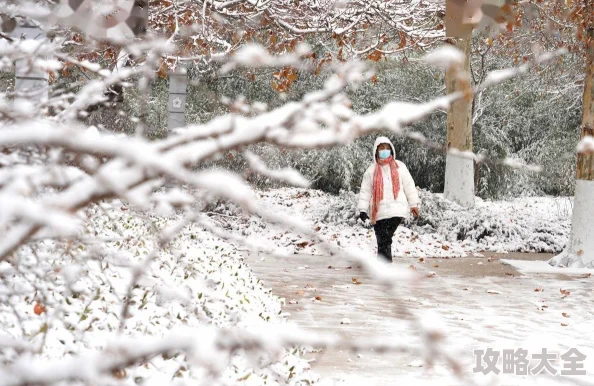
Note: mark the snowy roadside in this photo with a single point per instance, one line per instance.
(532, 224)
(197, 280)
(200, 279)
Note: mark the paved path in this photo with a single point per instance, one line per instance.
(521, 311)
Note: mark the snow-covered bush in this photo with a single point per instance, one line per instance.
(517, 120)
(507, 226)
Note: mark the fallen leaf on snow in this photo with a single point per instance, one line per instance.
(38, 309)
(318, 298)
(538, 290)
(564, 292)
(445, 247)
(302, 244)
(329, 267)
(564, 324)
(431, 274)
(356, 280)
(493, 292)
(467, 288)
(317, 229)
(421, 260)
(565, 314)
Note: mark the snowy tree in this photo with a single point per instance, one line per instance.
(580, 248)
(461, 18)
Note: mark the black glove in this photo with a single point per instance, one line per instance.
(363, 216)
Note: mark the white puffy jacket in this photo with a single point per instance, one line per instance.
(389, 207)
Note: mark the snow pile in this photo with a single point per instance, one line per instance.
(68, 299)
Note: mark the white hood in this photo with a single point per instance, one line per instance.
(381, 140)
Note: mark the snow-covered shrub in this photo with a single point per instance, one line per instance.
(533, 119)
(521, 225)
(196, 281)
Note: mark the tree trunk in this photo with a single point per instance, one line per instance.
(579, 251)
(459, 177)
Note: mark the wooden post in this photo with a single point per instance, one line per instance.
(30, 84)
(178, 81)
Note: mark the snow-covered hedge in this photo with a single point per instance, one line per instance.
(72, 303)
(520, 225)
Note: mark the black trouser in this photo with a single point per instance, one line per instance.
(384, 231)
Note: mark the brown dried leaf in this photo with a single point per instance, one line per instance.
(565, 314)
(564, 292)
(319, 298)
(119, 373)
(564, 324)
(356, 280)
(302, 244)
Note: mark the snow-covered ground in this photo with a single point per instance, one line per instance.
(67, 299)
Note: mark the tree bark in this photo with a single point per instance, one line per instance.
(585, 164)
(459, 120)
(579, 251)
(459, 178)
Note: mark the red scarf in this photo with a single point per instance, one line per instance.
(378, 184)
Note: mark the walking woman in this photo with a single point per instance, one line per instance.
(387, 195)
